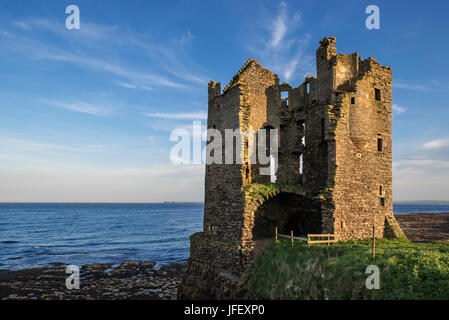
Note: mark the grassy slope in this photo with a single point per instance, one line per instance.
(407, 271)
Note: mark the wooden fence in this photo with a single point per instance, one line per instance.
(309, 238)
(328, 240)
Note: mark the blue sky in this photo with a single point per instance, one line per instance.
(86, 114)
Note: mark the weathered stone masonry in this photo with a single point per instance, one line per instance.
(334, 166)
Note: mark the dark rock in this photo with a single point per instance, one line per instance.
(132, 280)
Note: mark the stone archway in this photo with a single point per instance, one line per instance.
(289, 208)
(288, 212)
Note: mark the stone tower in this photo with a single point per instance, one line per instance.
(334, 166)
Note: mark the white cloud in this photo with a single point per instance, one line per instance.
(436, 144)
(90, 47)
(433, 86)
(421, 179)
(143, 79)
(22, 25)
(282, 48)
(156, 170)
(422, 172)
(80, 106)
(126, 85)
(409, 86)
(152, 138)
(17, 144)
(4, 33)
(187, 37)
(279, 26)
(133, 86)
(429, 163)
(398, 109)
(169, 125)
(42, 51)
(200, 115)
(87, 33)
(441, 85)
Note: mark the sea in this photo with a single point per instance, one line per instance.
(47, 234)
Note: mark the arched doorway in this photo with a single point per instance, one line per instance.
(288, 212)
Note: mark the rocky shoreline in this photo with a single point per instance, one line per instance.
(425, 227)
(132, 280)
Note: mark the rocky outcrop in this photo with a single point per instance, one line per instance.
(132, 280)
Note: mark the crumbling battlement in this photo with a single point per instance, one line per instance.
(334, 169)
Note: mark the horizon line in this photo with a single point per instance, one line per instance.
(95, 202)
(157, 202)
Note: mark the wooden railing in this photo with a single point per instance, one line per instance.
(328, 240)
(308, 239)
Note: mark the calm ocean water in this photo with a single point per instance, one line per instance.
(34, 235)
(414, 208)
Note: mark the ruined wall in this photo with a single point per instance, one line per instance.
(257, 110)
(363, 174)
(219, 255)
(224, 201)
(242, 105)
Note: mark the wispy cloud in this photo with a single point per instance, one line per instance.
(200, 115)
(412, 34)
(8, 143)
(22, 25)
(141, 79)
(429, 163)
(133, 86)
(80, 106)
(92, 46)
(154, 171)
(440, 84)
(4, 33)
(398, 109)
(42, 51)
(410, 86)
(436, 144)
(280, 46)
(279, 26)
(433, 85)
(126, 85)
(421, 179)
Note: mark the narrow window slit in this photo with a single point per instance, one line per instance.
(377, 94)
(380, 145)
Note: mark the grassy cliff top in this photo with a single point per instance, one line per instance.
(407, 271)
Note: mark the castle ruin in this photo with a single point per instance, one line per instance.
(334, 170)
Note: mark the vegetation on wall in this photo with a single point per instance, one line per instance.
(270, 189)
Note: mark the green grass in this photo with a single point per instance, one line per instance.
(263, 189)
(407, 271)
